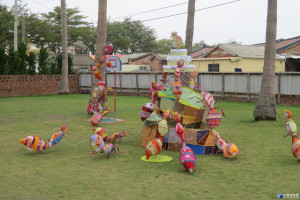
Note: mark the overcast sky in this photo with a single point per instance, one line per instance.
(216, 21)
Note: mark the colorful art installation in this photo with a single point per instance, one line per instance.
(187, 118)
(154, 147)
(178, 58)
(34, 143)
(291, 129)
(98, 99)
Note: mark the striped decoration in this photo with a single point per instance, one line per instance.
(108, 149)
(230, 151)
(56, 138)
(96, 119)
(208, 99)
(154, 147)
(34, 143)
(213, 119)
(96, 142)
(187, 158)
(146, 111)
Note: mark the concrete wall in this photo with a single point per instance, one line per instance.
(229, 64)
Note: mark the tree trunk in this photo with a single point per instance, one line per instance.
(101, 37)
(265, 108)
(190, 27)
(64, 82)
(189, 37)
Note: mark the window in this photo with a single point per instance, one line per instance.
(213, 67)
(143, 68)
(238, 69)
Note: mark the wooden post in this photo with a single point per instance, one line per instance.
(278, 95)
(248, 87)
(120, 79)
(223, 85)
(137, 83)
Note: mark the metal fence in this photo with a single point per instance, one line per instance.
(229, 86)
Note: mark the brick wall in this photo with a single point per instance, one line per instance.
(26, 85)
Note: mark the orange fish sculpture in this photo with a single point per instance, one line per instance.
(35, 143)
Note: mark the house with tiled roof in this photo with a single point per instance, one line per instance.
(154, 60)
(200, 53)
(236, 58)
(289, 49)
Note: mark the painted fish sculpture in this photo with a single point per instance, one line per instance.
(187, 155)
(35, 143)
(291, 129)
(187, 158)
(154, 147)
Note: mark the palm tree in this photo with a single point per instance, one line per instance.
(265, 108)
(190, 27)
(101, 33)
(64, 82)
(189, 36)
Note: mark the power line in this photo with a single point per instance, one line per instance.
(187, 12)
(152, 10)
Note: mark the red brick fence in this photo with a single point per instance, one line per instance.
(26, 85)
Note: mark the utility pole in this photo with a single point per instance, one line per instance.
(16, 27)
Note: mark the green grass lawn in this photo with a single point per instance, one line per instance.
(264, 168)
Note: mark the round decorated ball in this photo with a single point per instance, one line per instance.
(146, 111)
(167, 114)
(108, 64)
(177, 117)
(213, 119)
(180, 63)
(230, 151)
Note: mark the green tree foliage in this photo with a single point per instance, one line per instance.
(45, 29)
(31, 63)
(56, 64)
(131, 36)
(163, 46)
(199, 45)
(3, 59)
(22, 58)
(43, 61)
(6, 26)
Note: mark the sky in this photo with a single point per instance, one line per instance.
(216, 21)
